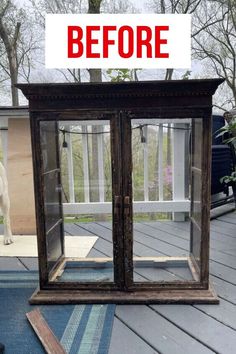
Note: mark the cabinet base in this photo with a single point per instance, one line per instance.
(194, 296)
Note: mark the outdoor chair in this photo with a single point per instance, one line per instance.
(223, 164)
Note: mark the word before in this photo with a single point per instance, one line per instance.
(128, 41)
(143, 41)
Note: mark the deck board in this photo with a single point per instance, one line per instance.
(30, 263)
(211, 332)
(215, 318)
(147, 245)
(225, 290)
(159, 332)
(217, 269)
(231, 217)
(10, 263)
(225, 313)
(168, 329)
(126, 341)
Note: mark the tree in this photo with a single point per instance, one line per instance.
(16, 45)
(117, 7)
(173, 7)
(94, 7)
(10, 35)
(43, 7)
(213, 40)
(216, 45)
(117, 75)
(192, 7)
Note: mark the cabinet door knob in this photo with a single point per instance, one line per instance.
(126, 205)
(117, 205)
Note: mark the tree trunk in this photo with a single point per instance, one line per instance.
(95, 75)
(10, 45)
(169, 74)
(14, 75)
(94, 6)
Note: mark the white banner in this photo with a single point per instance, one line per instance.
(147, 41)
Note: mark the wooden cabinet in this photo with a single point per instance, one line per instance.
(123, 277)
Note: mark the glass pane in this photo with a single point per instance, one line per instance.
(51, 198)
(196, 242)
(48, 145)
(85, 153)
(54, 247)
(196, 172)
(160, 155)
(197, 142)
(197, 205)
(51, 191)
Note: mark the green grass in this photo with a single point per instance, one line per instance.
(104, 217)
(68, 220)
(86, 218)
(150, 217)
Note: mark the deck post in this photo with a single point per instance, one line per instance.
(86, 164)
(160, 161)
(145, 163)
(178, 165)
(69, 153)
(101, 164)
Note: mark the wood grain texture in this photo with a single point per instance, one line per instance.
(20, 173)
(44, 333)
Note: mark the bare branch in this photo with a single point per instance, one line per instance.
(208, 24)
(219, 107)
(4, 69)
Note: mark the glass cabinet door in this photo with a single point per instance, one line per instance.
(162, 233)
(92, 254)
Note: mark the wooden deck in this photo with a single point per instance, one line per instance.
(169, 329)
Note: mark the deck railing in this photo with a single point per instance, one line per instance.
(177, 202)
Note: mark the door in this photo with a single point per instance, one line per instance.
(97, 259)
(157, 253)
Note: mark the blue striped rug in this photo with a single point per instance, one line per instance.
(81, 329)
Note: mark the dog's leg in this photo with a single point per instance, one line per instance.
(6, 220)
(5, 206)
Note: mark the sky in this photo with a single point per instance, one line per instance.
(40, 72)
(140, 4)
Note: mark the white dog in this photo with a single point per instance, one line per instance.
(5, 206)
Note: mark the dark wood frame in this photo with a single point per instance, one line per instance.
(120, 103)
